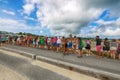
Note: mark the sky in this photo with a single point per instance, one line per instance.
(84, 18)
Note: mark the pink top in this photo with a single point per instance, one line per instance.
(55, 39)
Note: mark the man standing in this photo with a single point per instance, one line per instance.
(70, 43)
(58, 43)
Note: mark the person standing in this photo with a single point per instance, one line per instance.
(46, 42)
(80, 46)
(74, 44)
(55, 43)
(113, 48)
(106, 47)
(37, 42)
(64, 40)
(98, 46)
(88, 46)
(58, 43)
(0, 40)
(118, 49)
(49, 43)
(70, 43)
(42, 42)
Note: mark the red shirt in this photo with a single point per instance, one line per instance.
(55, 39)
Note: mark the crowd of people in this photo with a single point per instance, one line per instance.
(109, 48)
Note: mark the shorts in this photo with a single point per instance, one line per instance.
(63, 44)
(106, 48)
(80, 47)
(113, 48)
(34, 42)
(118, 51)
(54, 43)
(3, 41)
(88, 46)
(66, 45)
(70, 45)
(98, 47)
(31, 42)
(42, 43)
(37, 43)
(58, 44)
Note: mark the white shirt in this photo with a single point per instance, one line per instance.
(49, 39)
(59, 40)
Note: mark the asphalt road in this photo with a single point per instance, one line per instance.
(25, 68)
(105, 64)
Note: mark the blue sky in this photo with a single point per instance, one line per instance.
(61, 17)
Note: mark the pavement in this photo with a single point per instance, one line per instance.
(8, 74)
(103, 68)
(25, 68)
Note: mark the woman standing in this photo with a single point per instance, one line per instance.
(106, 47)
(118, 49)
(64, 45)
(74, 44)
(58, 43)
(88, 46)
(80, 46)
(55, 43)
(42, 42)
(113, 48)
(37, 42)
(98, 46)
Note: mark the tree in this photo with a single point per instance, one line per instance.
(20, 33)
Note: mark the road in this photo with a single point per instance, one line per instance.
(104, 64)
(36, 70)
(8, 74)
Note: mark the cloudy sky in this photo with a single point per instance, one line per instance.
(86, 18)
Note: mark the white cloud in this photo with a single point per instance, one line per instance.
(17, 26)
(66, 15)
(28, 8)
(8, 12)
(106, 28)
(102, 22)
(29, 18)
(70, 16)
(118, 22)
(110, 32)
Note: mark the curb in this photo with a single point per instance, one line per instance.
(100, 74)
(30, 55)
